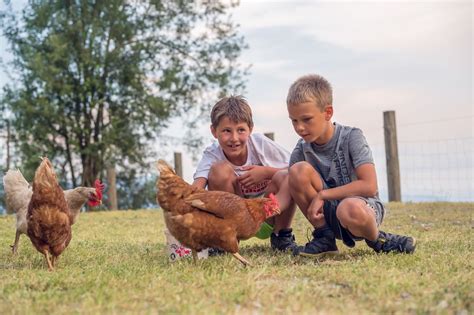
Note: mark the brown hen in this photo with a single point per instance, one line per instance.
(18, 194)
(49, 218)
(200, 219)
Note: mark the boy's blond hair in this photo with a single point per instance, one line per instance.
(310, 88)
(233, 107)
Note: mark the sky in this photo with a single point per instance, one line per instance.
(413, 57)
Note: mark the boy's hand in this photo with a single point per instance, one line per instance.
(200, 182)
(315, 210)
(254, 174)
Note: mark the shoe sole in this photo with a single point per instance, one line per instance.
(320, 255)
(414, 245)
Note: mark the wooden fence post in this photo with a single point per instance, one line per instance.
(270, 135)
(178, 164)
(112, 189)
(391, 156)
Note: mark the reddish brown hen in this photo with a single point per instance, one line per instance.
(18, 194)
(49, 218)
(200, 219)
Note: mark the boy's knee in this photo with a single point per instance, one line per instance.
(279, 177)
(299, 172)
(352, 211)
(221, 171)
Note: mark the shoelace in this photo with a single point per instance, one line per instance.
(309, 234)
(393, 243)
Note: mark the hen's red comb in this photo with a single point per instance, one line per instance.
(271, 207)
(99, 188)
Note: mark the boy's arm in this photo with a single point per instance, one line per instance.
(364, 186)
(200, 182)
(366, 183)
(209, 157)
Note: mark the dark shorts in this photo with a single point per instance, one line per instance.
(342, 233)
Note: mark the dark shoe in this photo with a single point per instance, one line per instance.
(284, 240)
(214, 251)
(387, 243)
(322, 244)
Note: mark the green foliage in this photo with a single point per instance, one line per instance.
(116, 263)
(96, 81)
(136, 190)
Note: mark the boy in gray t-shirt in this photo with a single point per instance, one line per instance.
(332, 176)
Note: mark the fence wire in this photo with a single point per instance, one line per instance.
(441, 170)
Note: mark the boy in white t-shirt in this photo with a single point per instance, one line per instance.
(249, 165)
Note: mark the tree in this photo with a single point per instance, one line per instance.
(97, 81)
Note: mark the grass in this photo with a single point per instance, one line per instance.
(116, 263)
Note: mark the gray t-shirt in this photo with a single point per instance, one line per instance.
(336, 160)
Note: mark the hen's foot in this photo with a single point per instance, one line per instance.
(244, 261)
(15, 244)
(14, 249)
(48, 260)
(195, 255)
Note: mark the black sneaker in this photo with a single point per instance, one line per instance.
(387, 243)
(284, 240)
(322, 244)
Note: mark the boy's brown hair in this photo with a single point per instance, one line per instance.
(310, 88)
(233, 107)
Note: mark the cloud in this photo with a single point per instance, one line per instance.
(401, 26)
(394, 54)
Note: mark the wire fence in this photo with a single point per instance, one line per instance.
(441, 170)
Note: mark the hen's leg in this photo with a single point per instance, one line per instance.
(54, 260)
(15, 245)
(195, 255)
(48, 260)
(242, 259)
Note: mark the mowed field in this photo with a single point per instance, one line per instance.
(117, 263)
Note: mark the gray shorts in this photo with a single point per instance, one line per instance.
(342, 233)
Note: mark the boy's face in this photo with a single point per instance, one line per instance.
(310, 123)
(232, 138)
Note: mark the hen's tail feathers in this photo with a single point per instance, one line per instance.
(45, 176)
(45, 173)
(164, 168)
(14, 177)
(17, 191)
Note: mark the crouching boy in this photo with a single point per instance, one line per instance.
(332, 176)
(249, 165)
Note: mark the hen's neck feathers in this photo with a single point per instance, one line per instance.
(76, 198)
(255, 207)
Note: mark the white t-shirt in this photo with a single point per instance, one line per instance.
(260, 151)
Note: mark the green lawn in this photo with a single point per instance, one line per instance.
(116, 263)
